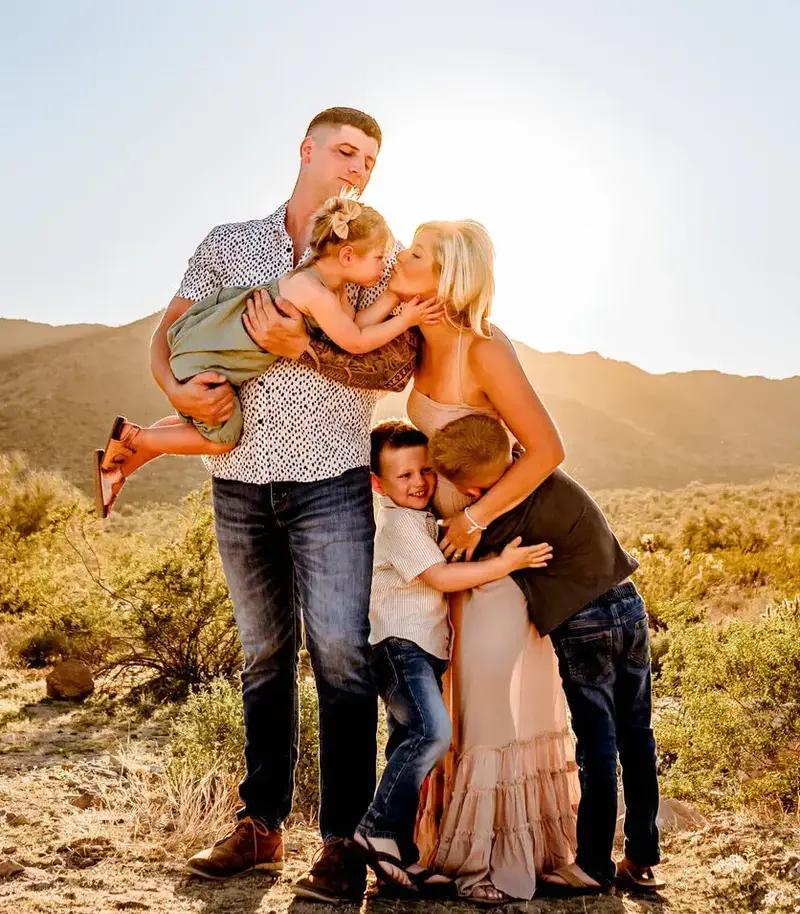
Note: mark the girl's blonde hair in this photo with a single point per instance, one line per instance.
(464, 262)
(343, 220)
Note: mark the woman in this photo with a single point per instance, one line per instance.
(503, 808)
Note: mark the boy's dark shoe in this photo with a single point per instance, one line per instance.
(337, 874)
(250, 846)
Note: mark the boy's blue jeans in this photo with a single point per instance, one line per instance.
(296, 551)
(604, 659)
(409, 680)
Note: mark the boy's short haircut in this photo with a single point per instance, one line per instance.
(351, 117)
(465, 445)
(392, 433)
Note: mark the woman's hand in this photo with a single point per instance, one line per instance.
(282, 332)
(458, 542)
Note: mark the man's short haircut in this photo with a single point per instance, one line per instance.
(351, 117)
(395, 434)
(465, 445)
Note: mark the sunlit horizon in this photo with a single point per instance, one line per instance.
(635, 169)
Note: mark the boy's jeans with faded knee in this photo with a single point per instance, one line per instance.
(409, 680)
(604, 660)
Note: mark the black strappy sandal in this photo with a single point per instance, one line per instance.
(374, 858)
(433, 891)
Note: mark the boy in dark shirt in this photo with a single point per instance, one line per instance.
(597, 621)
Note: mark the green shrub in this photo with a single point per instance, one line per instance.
(41, 648)
(209, 735)
(733, 733)
(712, 531)
(176, 608)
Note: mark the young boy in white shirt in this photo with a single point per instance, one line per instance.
(410, 635)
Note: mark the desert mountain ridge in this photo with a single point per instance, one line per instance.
(60, 388)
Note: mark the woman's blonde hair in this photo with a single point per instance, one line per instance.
(464, 261)
(343, 220)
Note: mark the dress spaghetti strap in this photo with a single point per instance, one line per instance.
(462, 401)
(316, 275)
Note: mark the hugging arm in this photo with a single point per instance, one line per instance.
(497, 369)
(208, 396)
(389, 368)
(342, 328)
(514, 557)
(283, 333)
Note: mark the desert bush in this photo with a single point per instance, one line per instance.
(35, 510)
(712, 531)
(674, 585)
(31, 501)
(208, 736)
(176, 608)
(654, 542)
(734, 731)
(41, 648)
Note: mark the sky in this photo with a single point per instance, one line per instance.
(635, 162)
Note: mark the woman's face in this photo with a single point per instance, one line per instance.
(415, 270)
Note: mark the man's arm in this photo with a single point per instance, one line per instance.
(283, 333)
(389, 368)
(208, 396)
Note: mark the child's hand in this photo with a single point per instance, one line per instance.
(418, 312)
(519, 557)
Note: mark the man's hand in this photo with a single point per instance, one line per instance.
(207, 397)
(282, 332)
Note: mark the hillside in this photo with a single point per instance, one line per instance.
(623, 427)
(21, 336)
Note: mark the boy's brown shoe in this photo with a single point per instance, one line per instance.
(336, 875)
(250, 846)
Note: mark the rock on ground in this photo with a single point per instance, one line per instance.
(70, 680)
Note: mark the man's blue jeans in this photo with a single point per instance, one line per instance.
(604, 659)
(409, 680)
(295, 551)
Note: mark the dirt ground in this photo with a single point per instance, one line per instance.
(57, 857)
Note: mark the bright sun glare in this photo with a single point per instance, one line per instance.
(551, 207)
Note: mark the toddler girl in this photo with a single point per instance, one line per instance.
(349, 244)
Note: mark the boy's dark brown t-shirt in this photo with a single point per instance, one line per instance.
(587, 557)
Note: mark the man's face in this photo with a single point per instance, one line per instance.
(406, 477)
(338, 157)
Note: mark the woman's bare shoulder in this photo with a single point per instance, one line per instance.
(491, 349)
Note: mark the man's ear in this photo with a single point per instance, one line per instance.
(473, 492)
(377, 488)
(305, 149)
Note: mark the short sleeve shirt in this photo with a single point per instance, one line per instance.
(402, 605)
(298, 425)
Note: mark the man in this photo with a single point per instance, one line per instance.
(294, 520)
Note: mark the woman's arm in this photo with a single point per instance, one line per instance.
(495, 366)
